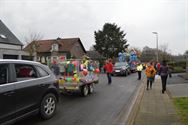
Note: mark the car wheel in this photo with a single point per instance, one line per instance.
(48, 106)
(125, 73)
(91, 88)
(85, 90)
(129, 72)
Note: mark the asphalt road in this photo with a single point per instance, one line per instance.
(100, 108)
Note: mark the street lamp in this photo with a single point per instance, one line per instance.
(157, 45)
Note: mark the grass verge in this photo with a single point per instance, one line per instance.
(181, 104)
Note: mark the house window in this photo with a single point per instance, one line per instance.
(55, 47)
(77, 48)
(3, 36)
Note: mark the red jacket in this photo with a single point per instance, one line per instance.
(109, 67)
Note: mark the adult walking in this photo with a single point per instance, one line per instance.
(150, 74)
(164, 71)
(55, 69)
(109, 69)
(139, 69)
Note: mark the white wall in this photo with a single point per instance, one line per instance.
(11, 50)
(8, 46)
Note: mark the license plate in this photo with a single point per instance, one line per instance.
(71, 88)
(117, 70)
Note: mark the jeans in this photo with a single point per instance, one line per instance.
(139, 75)
(149, 83)
(109, 78)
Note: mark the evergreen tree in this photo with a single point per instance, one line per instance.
(110, 40)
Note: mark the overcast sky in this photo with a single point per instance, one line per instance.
(80, 18)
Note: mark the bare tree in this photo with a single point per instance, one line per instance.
(148, 54)
(163, 52)
(32, 45)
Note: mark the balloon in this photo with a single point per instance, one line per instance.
(90, 68)
(84, 72)
(73, 79)
(119, 54)
(77, 79)
(74, 63)
(68, 79)
(81, 66)
(97, 70)
(75, 75)
(68, 62)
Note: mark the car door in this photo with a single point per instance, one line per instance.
(7, 94)
(29, 89)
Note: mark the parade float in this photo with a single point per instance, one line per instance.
(133, 60)
(79, 75)
(131, 57)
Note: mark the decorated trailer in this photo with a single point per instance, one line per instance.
(79, 75)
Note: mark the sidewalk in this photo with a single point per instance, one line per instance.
(156, 108)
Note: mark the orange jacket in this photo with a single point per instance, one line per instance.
(150, 71)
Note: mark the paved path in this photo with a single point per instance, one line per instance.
(156, 108)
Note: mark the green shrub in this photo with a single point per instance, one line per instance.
(177, 69)
(181, 64)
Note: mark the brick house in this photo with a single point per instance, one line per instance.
(57, 49)
(10, 45)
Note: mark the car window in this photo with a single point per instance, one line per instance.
(25, 72)
(3, 74)
(121, 64)
(41, 71)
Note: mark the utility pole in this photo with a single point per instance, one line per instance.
(157, 53)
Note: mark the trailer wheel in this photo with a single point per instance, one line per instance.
(91, 88)
(85, 90)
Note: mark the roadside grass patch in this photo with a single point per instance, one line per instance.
(181, 104)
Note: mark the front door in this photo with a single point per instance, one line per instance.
(7, 95)
(27, 89)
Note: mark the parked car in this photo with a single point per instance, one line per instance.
(26, 88)
(121, 68)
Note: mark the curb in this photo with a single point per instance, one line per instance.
(169, 93)
(135, 105)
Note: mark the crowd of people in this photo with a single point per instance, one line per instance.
(152, 70)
